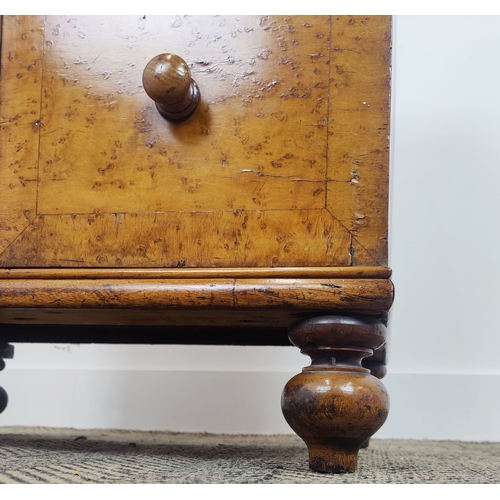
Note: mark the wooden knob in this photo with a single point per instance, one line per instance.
(167, 80)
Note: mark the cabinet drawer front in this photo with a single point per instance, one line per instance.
(284, 162)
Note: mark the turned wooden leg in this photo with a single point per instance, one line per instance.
(6, 351)
(335, 405)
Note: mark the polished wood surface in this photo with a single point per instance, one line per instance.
(284, 163)
(182, 273)
(311, 294)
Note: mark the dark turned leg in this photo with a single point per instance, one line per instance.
(335, 405)
(6, 352)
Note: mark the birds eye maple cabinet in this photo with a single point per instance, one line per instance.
(205, 179)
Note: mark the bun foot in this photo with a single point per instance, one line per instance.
(3, 399)
(335, 405)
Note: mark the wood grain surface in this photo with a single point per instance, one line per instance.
(353, 295)
(283, 164)
(190, 273)
(21, 76)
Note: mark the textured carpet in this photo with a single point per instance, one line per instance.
(43, 455)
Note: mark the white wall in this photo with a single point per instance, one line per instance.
(444, 370)
(445, 231)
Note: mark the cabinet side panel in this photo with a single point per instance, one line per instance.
(358, 142)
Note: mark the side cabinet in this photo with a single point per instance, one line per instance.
(205, 179)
